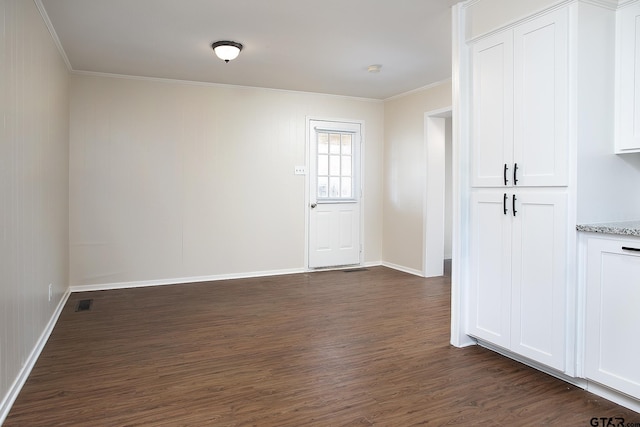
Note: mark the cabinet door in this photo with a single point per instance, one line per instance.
(541, 82)
(628, 90)
(490, 257)
(492, 110)
(539, 275)
(613, 314)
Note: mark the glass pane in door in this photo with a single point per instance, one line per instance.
(335, 166)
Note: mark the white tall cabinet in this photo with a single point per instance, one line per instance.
(518, 211)
(536, 126)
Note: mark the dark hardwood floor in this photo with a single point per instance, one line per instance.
(322, 349)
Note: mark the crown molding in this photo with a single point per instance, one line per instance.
(52, 31)
(622, 3)
(220, 85)
(609, 4)
(420, 89)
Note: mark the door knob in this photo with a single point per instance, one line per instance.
(313, 205)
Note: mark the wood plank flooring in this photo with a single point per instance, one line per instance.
(321, 349)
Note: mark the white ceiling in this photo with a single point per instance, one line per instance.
(313, 46)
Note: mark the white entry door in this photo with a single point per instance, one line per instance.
(334, 194)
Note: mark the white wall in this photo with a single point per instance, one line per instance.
(33, 187)
(404, 181)
(607, 184)
(172, 180)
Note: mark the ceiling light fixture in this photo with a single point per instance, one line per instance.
(375, 68)
(227, 50)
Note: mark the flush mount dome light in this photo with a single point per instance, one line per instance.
(227, 50)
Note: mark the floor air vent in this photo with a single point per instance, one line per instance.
(84, 305)
(354, 270)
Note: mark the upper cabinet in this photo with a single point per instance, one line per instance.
(492, 148)
(628, 79)
(520, 105)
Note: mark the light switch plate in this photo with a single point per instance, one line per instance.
(300, 170)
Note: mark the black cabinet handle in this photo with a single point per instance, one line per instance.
(515, 174)
(626, 248)
(504, 204)
(513, 205)
(504, 174)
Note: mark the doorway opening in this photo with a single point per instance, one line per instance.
(438, 210)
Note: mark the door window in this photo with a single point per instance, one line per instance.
(335, 166)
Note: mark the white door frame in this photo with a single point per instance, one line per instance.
(434, 192)
(307, 183)
(460, 88)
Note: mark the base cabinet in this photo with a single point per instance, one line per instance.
(518, 279)
(613, 313)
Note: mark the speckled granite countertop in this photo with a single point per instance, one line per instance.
(626, 228)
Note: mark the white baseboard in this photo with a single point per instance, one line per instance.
(578, 382)
(183, 280)
(195, 279)
(462, 342)
(14, 390)
(372, 264)
(588, 385)
(614, 396)
(403, 269)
